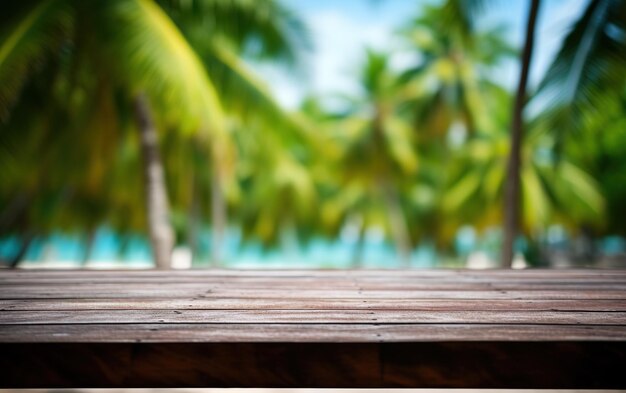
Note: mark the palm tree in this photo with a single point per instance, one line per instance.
(589, 60)
(599, 145)
(224, 34)
(275, 176)
(379, 155)
(512, 190)
(554, 189)
(146, 47)
(451, 90)
(586, 75)
(135, 51)
(456, 59)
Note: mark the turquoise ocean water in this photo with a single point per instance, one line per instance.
(111, 250)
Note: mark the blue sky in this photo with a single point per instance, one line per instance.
(342, 29)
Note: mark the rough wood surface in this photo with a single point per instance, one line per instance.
(290, 328)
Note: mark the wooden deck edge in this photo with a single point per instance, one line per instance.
(532, 365)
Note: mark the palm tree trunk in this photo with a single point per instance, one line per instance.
(14, 209)
(359, 247)
(91, 236)
(193, 227)
(399, 229)
(27, 239)
(512, 186)
(161, 233)
(218, 217)
(289, 239)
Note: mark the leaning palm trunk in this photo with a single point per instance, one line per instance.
(12, 211)
(27, 239)
(512, 186)
(89, 241)
(218, 217)
(193, 225)
(359, 247)
(161, 234)
(289, 238)
(399, 229)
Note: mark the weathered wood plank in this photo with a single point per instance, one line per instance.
(361, 276)
(52, 274)
(348, 332)
(312, 316)
(359, 303)
(327, 272)
(303, 293)
(391, 285)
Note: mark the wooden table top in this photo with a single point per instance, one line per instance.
(288, 328)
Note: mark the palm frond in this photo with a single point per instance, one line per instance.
(579, 191)
(589, 69)
(260, 29)
(244, 95)
(150, 54)
(33, 33)
(536, 207)
(461, 14)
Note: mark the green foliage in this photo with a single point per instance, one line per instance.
(87, 60)
(418, 152)
(31, 32)
(587, 74)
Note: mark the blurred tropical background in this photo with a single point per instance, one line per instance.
(320, 134)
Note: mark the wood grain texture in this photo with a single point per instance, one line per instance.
(234, 303)
(313, 333)
(291, 328)
(507, 317)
